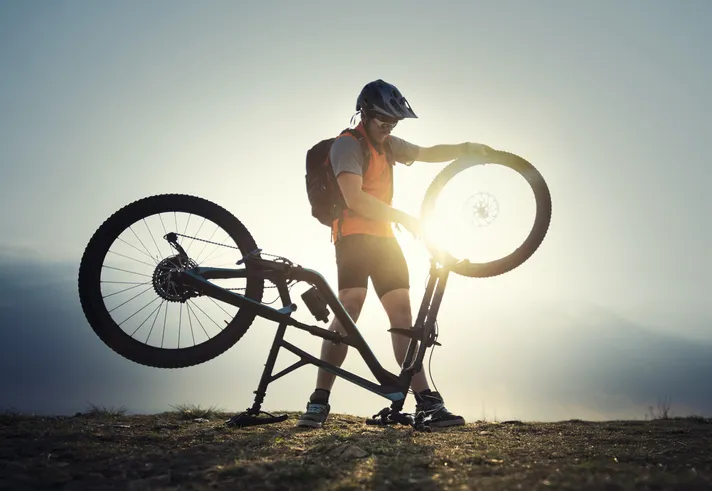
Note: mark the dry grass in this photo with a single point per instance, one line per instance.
(176, 450)
(192, 411)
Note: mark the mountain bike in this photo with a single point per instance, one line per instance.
(174, 280)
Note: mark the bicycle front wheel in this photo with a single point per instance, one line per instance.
(489, 213)
(130, 299)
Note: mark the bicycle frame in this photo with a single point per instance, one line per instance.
(391, 386)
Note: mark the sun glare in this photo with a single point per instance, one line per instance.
(482, 214)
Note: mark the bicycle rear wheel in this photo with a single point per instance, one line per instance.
(127, 294)
(480, 209)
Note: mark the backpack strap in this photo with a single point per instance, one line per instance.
(387, 146)
(364, 146)
(366, 158)
(391, 161)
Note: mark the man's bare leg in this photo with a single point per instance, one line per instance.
(334, 353)
(397, 305)
(352, 299)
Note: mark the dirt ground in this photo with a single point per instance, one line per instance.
(170, 451)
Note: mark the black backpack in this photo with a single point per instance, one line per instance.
(327, 202)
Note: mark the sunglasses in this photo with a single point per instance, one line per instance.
(385, 124)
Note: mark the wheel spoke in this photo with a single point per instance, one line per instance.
(226, 250)
(147, 317)
(158, 249)
(165, 316)
(142, 244)
(131, 258)
(127, 301)
(125, 282)
(139, 250)
(180, 322)
(197, 319)
(125, 271)
(219, 306)
(206, 315)
(185, 231)
(197, 258)
(124, 290)
(192, 239)
(190, 322)
(160, 217)
(139, 310)
(158, 312)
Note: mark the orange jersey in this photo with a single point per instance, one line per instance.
(378, 182)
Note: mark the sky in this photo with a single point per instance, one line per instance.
(104, 103)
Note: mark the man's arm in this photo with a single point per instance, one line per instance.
(370, 206)
(346, 159)
(444, 153)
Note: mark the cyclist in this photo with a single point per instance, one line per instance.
(364, 242)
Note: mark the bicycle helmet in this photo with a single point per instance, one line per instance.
(379, 97)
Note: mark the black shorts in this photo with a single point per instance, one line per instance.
(361, 256)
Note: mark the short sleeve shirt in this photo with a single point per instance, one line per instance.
(346, 154)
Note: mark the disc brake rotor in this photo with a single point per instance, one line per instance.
(480, 209)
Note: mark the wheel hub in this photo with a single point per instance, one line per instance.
(164, 277)
(480, 209)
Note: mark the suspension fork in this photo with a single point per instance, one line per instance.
(427, 315)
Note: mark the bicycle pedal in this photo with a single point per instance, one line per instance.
(380, 418)
(385, 418)
(415, 334)
(423, 427)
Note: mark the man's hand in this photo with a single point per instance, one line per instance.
(444, 153)
(412, 224)
(477, 149)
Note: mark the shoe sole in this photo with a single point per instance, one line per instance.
(444, 424)
(309, 424)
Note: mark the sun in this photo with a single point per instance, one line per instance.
(482, 214)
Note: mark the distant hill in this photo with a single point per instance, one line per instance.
(576, 352)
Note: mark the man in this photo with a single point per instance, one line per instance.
(364, 241)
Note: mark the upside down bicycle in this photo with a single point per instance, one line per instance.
(151, 288)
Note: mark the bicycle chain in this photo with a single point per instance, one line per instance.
(235, 247)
